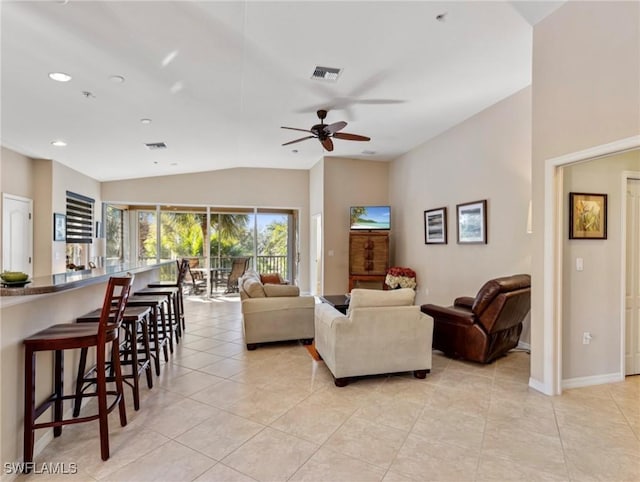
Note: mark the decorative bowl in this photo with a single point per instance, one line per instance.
(14, 276)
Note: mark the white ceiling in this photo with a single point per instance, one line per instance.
(218, 79)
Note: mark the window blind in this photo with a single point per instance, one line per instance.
(79, 218)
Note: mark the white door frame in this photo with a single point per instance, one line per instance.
(551, 346)
(6, 196)
(626, 175)
(316, 271)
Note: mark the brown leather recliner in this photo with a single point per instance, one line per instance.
(483, 328)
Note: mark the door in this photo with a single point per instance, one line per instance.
(632, 298)
(17, 234)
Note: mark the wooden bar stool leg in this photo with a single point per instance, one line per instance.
(133, 348)
(166, 331)
(82, 366)
(156, 339)
(144, 326)
(102, 403)
(178, 317)
(58, 391)
(119, 384)
(29, 407)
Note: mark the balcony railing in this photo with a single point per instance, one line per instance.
(265, 264)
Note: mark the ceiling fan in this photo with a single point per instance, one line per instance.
(324, 132)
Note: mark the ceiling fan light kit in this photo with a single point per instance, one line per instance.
(324, 132)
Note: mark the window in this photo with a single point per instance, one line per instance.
(79, 219)
(114, 229)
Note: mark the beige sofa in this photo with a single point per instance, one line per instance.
(383, 332)
(274, 312)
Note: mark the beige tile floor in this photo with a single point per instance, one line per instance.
(221, 413)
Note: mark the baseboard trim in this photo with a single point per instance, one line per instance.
(579, 382)
(524, 346)
(539, 386)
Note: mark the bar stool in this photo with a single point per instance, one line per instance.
(183, 269)
(173, 307)
(135, 324)
(159, 332)
(58, 338)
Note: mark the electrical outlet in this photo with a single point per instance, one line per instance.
(586, 338)
(426, 291)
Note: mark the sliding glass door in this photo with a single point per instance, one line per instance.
(211, 237)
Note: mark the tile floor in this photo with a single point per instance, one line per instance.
(221, 413)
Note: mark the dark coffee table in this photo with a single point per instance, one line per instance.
(339, 302)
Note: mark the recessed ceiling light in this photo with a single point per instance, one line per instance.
(368, 153)
(88, 95)
(117, 79)
(145, 121)
(442, 17)
(155, 162)
(295, 151)
(59, 76)
(173, 164)
(58, 143)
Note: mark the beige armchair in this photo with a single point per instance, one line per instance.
(383, 332)
(274, 312)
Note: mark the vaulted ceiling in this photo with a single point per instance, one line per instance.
(217, 80)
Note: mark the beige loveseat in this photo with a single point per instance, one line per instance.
(274, 312)
(383, 332)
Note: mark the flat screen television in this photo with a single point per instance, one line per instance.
(370, 217)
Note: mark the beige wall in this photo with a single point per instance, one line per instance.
(591, 298)
(485, 157)
(348, 182)
(46, 182)
(16, 177)
(65, 179)
(43, 245)
(285, 188)
(16, 174)
(586, 92)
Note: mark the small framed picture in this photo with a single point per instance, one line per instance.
(472, 222)
(587, 216)
(59, 227)
(435, 226)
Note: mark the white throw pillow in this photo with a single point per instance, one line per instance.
(281, 290)
(253, 288)
(362, 298)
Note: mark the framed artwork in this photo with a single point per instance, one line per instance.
(472, 222)
(587, 216)
(59, 227)
(435, 226)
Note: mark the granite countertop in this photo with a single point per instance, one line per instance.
(74, 279)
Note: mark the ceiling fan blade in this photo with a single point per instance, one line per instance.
(335, 127)
(327, 144)
(350, 137)
(298, 140)
(296, 129)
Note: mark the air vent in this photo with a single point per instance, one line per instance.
(154, 146)
(326, 73)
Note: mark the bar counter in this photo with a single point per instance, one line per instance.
(46, 301)
(75, 279)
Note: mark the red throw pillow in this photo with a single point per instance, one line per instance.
(272, 278)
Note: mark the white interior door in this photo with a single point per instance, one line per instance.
(632, 299)
(17, 234)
